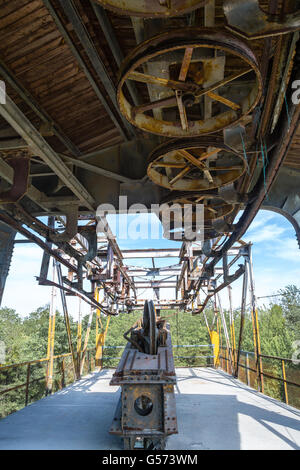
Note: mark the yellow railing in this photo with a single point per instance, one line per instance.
(269, 364)
(63, 370)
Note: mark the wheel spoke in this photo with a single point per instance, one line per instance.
(205, 155)
(226, 168)
(168, 165)
(185, 63)
(182, 111)
(211, 209)
(188, 156)
(175, 85)
(199, 199)
(180, 175)
(208, 175)
(196, 162)
(223, 100)
(164, 102)
(223, 82)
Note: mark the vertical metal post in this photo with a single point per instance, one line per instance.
(27, 385)
(247, 369)
(220, 341)
(98, 355)
(51, 335)
(86, 339)
(286, 398)
(232, 328)
(254, 314)
(215, 341)
(100, 337)
(63, 383)
(243, 308)
(66, 317)
(225, 331)
(79, 334)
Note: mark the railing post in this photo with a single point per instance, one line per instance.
(254, 314)
(66, 317)
(27, 385)
(286, 398)
(79, 339)
(215, 342)
(51, 336)
(63, 374)
(247, 369)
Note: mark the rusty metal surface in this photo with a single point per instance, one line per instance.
(136, 367)
(213, 164)
(146, 409)
(152, 8)
(19, 160)
(203, 41)
(214, 206)
(249, 20)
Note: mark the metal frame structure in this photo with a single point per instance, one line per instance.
(61, 161)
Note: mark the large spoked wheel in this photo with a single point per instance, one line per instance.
(152, 8)
(189, 234)
(194, 165)
(149, 326)
(177, 228)
(214, 206)
(194, 81)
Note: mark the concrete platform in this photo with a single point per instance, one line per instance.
(214, 411)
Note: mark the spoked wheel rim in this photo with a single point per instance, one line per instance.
(149, 325)
(194, 70)
(182, 234)
(214, 206)
(152, 8)
(195, 165)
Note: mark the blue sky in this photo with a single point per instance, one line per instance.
(276, 262)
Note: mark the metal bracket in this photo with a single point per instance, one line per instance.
(20, 163)
(247, 19)
(71, 226)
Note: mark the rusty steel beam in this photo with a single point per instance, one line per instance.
(37, 144)
(113, 43)
(9, 220)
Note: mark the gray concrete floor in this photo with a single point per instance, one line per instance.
(214, 411)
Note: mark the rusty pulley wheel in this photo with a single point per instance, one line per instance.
(189, 234)
(152, 8)
(195, 165)
(149, 326)
(214, 206)
(193, 82)
(175, 227)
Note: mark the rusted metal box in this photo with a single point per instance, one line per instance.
(146, 412)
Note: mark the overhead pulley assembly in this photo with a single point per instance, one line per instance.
(152, 8)
(205, 80)
(195, 164)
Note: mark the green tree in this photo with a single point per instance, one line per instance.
(290, 303)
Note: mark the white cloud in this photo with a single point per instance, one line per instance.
(260, 220)
(270, 233)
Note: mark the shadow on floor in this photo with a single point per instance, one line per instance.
(79, 417)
